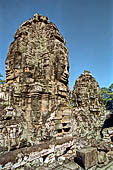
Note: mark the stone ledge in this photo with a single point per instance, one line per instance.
(57, 147)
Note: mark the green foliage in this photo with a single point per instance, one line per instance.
(1, 81)
(107, 93)
(1, 75)
(71, 105)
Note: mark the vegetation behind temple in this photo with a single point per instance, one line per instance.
(1, 81)
(107, 96)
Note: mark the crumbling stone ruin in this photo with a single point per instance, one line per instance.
(38, 128)
(37, 71)
(89, 113)
(87, 106)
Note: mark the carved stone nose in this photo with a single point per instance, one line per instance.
(66, 72)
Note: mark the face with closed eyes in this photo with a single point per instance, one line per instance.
(63, 69)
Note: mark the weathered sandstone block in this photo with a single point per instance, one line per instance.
(88, 157)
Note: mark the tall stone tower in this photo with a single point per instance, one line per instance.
(88, 110)
(37, 71)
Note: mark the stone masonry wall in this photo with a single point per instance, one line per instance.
(88, 110)
(37, 71)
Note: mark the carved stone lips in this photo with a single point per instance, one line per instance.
(65, 77)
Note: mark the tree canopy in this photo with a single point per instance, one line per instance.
(107, 96)
(1, 81)
(1, 75)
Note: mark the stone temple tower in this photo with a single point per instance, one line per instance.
(37, 71)
(88, 109)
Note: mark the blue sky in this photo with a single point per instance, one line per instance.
(87, 26)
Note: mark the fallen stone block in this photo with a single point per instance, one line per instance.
(87, 157)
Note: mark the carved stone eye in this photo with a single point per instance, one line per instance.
(68, 68)
(63, 66)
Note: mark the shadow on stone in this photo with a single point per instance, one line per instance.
(107, 124)
(78, 162)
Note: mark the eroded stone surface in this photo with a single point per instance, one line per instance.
(37, 71)
(45, 153)
(35, 114)
(88, 157)
(88, 110)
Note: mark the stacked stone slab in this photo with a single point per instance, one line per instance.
(88, 110)
(37, 71)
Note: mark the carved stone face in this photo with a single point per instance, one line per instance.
(37, 72)
(65, 75)
(63, 69)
